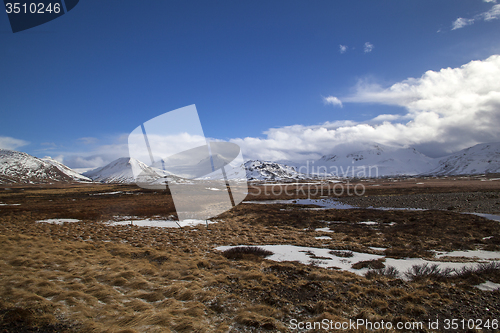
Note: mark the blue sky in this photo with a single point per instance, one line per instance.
(259, 72)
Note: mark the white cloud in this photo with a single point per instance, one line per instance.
(492, 14)
(442, 112)
(446, 111)
(461, 22)
(101, 155)
(490, 1)
(368, 47)
(59, 158)
(343, 48)
(11, 143)
(333, 101)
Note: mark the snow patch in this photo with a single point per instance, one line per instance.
(58, 221)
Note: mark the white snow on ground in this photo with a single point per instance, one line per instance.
(479, 254)
(4, 204)
(109, 193)
(323, 230)
(58, 221)
(368, 223)
(323, 237)
(377, 248)
(299, 253)
(303, 255)
(488, 286)
(162, 223)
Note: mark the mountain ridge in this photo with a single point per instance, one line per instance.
(362, 160)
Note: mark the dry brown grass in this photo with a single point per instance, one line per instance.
(90, 277)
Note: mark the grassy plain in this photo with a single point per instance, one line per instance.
(89, 276)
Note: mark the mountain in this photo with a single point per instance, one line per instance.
(370, 160)
(349, 160)
(64, 169)
(261, 170)
(120, 171)
(21, 168)
(478, 159)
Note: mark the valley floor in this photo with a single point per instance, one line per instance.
(88, 275)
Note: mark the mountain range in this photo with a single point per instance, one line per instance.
(359, 160)
(18, 167)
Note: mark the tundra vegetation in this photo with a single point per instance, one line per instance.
(91, 276)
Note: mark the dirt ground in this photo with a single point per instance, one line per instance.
(89, 276)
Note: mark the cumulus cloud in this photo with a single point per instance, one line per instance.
(444, 111)
(492, 14)
(7, 142)
(343, 48)
(333, 101)
(368, 47)
(441, 112)
(161, 145)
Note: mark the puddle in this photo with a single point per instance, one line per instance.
(323, 203)
(333, 204)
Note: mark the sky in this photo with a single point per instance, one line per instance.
(283, 79)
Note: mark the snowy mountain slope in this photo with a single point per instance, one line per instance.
(261, 170)
(478, 159)
(370, 160)
(120, 171)
(21, 168)
(64, 169)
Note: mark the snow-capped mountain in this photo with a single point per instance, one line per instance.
(21, 168)
(370, 160)
(260, 170)
(478, 159)
(64, 169)
(120, 171)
